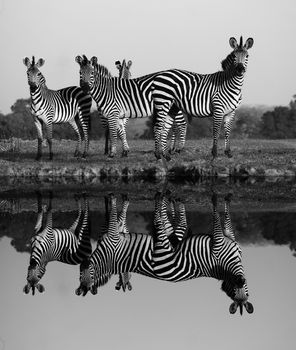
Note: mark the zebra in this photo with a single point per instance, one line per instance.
(122, 98)
(160, 256)
(214, 95)
(70, 246)
(69, 105)
(124, 73)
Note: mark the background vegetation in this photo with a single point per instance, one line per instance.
(277, 122)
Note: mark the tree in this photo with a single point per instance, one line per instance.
(279, 123)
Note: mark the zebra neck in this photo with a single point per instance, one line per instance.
(231, 74)
(102, 89)
(40, 94)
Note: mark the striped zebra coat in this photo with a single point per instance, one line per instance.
(69, 105)
(214, 95)
(68, 245)
(171, 255)
(121, 98)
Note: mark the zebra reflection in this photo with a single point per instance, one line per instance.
(70, 246)
(170, 254)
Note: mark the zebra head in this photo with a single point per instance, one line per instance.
(88, 70)
(35, 77)
(35, 273)
(124, 69)
(235, 286)
(87, 281)
(92, 276)
(238, 58)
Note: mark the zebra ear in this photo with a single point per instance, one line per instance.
(233, 43)
(78, 291)
(27, 62)
(249, 307)
(78, 59)
(249, 43)
(40, 288)
(118, 65)
(40, 62)
(233, 307)
(94, 61)
(129, 64)
(27, 288)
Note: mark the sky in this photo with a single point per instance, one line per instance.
(155, 34)
(186, 315)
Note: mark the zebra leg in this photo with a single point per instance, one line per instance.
(112, 123)
(49, 139)
(77, 132)
(121, 219)
(228, 120)
(218, 236)
(217, 121)
(179, 222)
(124, 281)
(112, 224)
(85, 131)
(173, 147)
(156, 133)
(40, 212)
(166, 126)
(181, 126)
(105, 126)
(38, 125)
(82, 232)
(228, 230)
(121, 131)
(163, 229)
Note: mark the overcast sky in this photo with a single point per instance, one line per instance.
(154, 34)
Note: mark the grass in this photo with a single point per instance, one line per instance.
(254, 156)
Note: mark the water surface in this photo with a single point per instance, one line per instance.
(154, 314)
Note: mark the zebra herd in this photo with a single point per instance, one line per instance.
(170, 253)
(166, 96)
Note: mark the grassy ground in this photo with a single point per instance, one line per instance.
(250, 158)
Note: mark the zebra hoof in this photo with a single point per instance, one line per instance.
(124, 154)
(111, 155)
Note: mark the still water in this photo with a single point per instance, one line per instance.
(147, 267)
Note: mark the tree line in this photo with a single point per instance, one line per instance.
(250, 122)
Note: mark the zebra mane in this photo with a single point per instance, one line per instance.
(227, 62)
(103, 71)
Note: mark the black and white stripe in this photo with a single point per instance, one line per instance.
(170, 254)
(120, 98)
(69, 105)
(214, 95)
(70, 246)
(124, 73)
